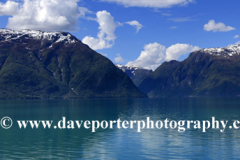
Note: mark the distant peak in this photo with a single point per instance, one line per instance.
(223, 51)
(132, 67)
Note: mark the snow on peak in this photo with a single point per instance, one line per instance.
(9, 34)
(123, 67)
(224, 51)
(133, 67)
(119, 65)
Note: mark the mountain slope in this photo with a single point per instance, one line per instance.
(207, 72)
(36, 64)
(137, 74)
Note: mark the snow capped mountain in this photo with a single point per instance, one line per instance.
(132, 68)
(229, 51)
(38, 64)
(10, 35)
(136, 73)
(211, 72)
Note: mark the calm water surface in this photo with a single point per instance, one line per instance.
(120, 143)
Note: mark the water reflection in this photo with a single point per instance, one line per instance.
(120, 143)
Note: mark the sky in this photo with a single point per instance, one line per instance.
(132, 32)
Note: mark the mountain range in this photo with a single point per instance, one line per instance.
(206, 72)
(37, 64)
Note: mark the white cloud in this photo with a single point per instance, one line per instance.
(173, 27)
(154, 54)
(119, 24)
(238, 42)
(83, 11)
(150, 3)
(135, 24)
(119, 58)
(106, 36)
(236, 36)
(46, 15)
(185, 19)
(9, 8)
(166, 14)
(217, 27)
(175, 51)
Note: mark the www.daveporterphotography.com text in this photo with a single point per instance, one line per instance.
(139, 125)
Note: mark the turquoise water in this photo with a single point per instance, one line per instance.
(120, 143)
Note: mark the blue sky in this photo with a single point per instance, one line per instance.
(138, 32)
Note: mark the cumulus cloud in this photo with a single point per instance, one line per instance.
(135, 24)
(45, 15)
(217, 27)
(150, 3)
(106, 36)
(119, 58)
(9, 8)
(236, 36)
(175, 51)
(154, 54)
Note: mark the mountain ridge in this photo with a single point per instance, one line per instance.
(206, 72)
(38, 64)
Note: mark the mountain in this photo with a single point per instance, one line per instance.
(37, 64)
(206, 72)
(137, 74)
